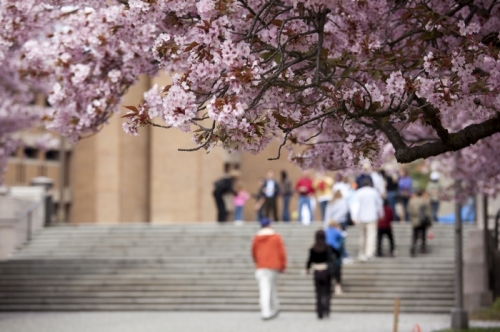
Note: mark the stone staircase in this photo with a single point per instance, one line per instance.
(208, 267)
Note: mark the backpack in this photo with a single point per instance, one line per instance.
(425, 221)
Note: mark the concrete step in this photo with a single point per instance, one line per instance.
(204, 293)
(310, 301)
(421, 261)
(222, 276)
(208, 267)
(401, 251)
(298, 249)
(217, 307)
(194, 270)
(444, 237)
(49, 266)
(365, 289)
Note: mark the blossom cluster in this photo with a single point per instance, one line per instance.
(327, 78)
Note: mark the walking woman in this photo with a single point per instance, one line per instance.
(318, 256)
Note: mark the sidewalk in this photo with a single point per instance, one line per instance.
(211, 322)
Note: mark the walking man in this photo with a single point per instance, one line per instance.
(304, 188)
(223, 187)
(271, 190)
(268, 252)
(366, 209)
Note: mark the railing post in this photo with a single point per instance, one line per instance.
(48, 210)
(497, 220)
(29, 228)
(459, 317)
(47, 184)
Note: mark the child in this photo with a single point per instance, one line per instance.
(239, 201)
(385, 228)
(335, 239)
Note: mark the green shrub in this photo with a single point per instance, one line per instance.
(492, 313)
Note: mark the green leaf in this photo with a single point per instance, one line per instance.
(266, 55)
(374, 106)
(345, 74)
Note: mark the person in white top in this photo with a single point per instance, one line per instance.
(379, 183)
(271, 190)
(366, 208)
(343, 186)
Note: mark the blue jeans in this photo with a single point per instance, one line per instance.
(238, 213)
(259, 215)
(304, 200)
(435, 208)
(286, 207)
(322, 206)
(392, 199)
(404, 201)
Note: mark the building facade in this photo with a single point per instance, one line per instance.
(113, 177)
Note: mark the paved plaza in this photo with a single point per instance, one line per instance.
(211, 322)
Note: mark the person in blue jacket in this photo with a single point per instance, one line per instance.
(335, 238)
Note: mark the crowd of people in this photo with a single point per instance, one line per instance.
(367, 202)
(334, 198)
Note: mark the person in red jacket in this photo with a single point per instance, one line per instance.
(384, 228)
(268, 252)
(304, 189)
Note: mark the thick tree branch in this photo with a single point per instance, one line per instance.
(459, 140)
(432, 118)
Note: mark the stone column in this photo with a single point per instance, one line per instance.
(476, 272)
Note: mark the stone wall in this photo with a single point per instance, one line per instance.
(120, 178)
(15, 226)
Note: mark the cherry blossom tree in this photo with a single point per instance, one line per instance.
(335, 81)
(17, 112)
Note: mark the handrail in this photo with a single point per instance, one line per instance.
(18, 199)
(26, 213)
(30, 209)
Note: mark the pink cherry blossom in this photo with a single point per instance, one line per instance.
(336, 82)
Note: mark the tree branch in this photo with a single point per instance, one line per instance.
(199, 147)
(157, 125)
(432, 118)
(459, 140)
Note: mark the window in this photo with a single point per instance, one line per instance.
(30, 153)
(52, 155)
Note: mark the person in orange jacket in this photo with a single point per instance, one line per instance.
(268, 252)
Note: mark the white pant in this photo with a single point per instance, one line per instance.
(269, 303)
(367, 238)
